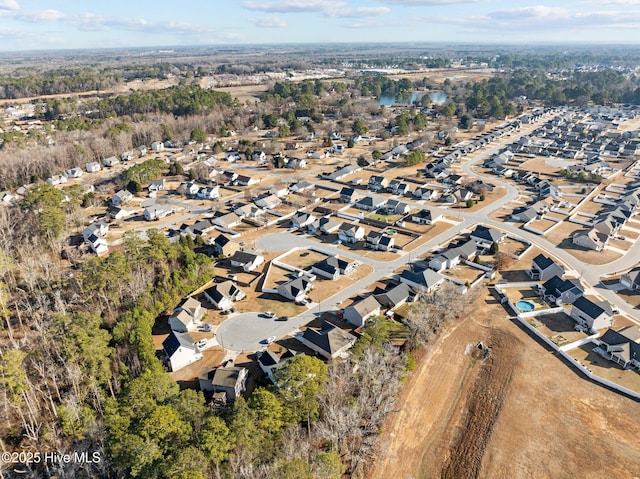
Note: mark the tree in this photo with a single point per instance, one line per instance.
(268, 409)
(350, 143)
(466, 122)
(495, 248)
(215, 440)
(283, 130)
(198, 135)
(376, 155)
(299, 382)
(502, 261)
(469, 203)
(166, 132)
(414, 157)
(360, 127)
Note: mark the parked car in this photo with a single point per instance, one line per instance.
(206, 327)
(269, 314)
(202, 343)
(283, 318)
(270, 339)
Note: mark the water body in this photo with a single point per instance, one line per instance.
(437, 98)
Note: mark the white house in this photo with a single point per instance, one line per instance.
(350, 233)
(180, 350)
(157, 212)
(157, 146)
(187, 316)
(93, 167)
(223, 295)
(121, 197)
(245, 260)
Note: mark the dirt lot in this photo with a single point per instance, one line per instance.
(561, 236)
(500, 418)
(558, 327)
(606, 369)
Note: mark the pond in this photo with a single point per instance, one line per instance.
(437, 98)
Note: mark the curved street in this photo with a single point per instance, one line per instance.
(245, 332)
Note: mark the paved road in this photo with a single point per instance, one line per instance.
(242, 333)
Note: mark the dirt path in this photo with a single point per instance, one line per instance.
(521, 413)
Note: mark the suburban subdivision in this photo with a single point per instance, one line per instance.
(288, 274)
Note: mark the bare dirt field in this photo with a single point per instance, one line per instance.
(460, 417)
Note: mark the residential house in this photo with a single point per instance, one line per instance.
(110, 162)
(557, 291)
(425, 193)
(524, 215)
(348, 195)
(332, 267)
(426, 217)
(244, 180)
(157, 146)
(394, 296)
(157, 212)
(230, 380)
(259, 156)
(187, 316)
(485, 237)
(301, 186)
(370, 202)
(99, 229)
(398, 187)
(93, 167)
(350, 233)
(223, 295)
(121, 197)
(97, 244)
(379, 241)
(74, 173)
(232, 156)
(631, 279)
(301, 219)
(454, 256)
(268, 202)
(296, 289)
(270, 362)
(591, 315)
(118, 213)
(57, 180)
(358, 313)
(156, 185)
(377, 183)
(180, 350)
(191, 189)
(249, 211)
(396, 207)
(342, 172)
(208, 193)
(127, 155)
(329, 341)
(422, 280)
(623, 346)
(544, 268)
(245, 260)
(296, 163)
(281, 190)
(227, 221)
(224, 246)
(590, 239)
(325, 225)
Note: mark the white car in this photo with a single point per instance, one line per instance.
(202, 343)
(270, 339)
(269, 314)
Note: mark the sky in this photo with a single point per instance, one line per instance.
(72, 24)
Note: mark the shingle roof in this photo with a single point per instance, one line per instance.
(330, 338)
(175, 341)
(588, 307)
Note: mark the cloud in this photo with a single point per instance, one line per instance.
(268, 22)
(328, 8)
(9, 5)
(428, 3)
(38, 16)
(293, 6)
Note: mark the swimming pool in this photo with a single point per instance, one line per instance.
(525, 306)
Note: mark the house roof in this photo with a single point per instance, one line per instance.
(487, 234)
(366, 306)
(424, 214)
(225, 377)
(244, 257)
(329, 338)
(226, 289)
(189, 304)
(426, 277)
(634, 275)
(624, 347)
(331, 264)
(175, 341)
(296, 286)
(543, 262)
(394, 295)
(347, 192)
(588, 307)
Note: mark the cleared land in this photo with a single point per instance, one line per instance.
(464, 418)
